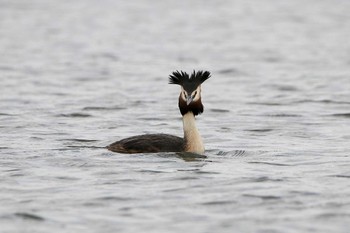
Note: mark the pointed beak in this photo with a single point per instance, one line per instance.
(189, 100)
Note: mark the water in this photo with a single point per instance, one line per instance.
(78, 75)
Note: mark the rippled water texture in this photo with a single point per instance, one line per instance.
(79, 75)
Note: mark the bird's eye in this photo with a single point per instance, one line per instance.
(195, 93)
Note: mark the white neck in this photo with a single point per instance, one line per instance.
(193, 140)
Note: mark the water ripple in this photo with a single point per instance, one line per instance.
(29, 216)
(270, 163)
(75, 115)
(264, 197)
(98, 108)
(346, 115)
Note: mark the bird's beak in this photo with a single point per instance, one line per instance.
(189, 100)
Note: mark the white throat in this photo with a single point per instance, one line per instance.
(193, 140)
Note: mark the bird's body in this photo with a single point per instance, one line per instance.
(148, 143)
(190, 105)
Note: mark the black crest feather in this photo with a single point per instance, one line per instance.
(178, 77)
(189, 83)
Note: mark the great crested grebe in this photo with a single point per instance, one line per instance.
(190, 105)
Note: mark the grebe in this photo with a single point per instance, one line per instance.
(190, 105)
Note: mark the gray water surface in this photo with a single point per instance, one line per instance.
(79, 75)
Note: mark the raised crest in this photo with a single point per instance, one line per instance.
(189, 83)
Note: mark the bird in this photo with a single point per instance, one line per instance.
(190, 105)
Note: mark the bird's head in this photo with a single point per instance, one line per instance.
(190, 96)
